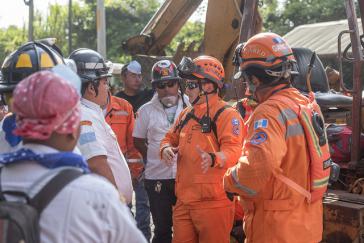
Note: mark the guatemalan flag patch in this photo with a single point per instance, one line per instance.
(262, 123)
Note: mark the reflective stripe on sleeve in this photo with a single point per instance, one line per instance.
(294, 130)
(249, 191)
(286, 115)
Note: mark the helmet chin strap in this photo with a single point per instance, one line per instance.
(282, 77)
(201, 93)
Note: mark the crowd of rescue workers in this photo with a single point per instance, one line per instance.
(205, 171)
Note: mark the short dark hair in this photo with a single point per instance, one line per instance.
(124, 69)
(85, 85)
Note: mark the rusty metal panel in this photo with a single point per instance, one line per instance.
(343, 218)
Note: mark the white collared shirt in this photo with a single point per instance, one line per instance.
(152, 124)
(97, 138)
(86, 210)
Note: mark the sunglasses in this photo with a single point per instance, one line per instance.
(163, 85)
(191, 85)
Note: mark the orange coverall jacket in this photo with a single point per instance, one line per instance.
(274, 212)
(193, 188)
(120, 117)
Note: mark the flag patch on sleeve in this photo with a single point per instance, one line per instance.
(87, 137)
(262, 123)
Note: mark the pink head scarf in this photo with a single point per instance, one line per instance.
(45, 103)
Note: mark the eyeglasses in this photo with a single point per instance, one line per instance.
(163, 85)
(191, 85)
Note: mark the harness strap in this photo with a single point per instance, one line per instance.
(217, 114)
(294, 186)
(190, 115)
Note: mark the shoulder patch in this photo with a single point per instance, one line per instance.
(258, 138)
(262, 123)
(236, 126)
(235, 122)
(86, 123)
(87, 137)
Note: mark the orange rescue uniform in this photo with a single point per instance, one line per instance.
(274, 212)
(120, 117)
(203, 213)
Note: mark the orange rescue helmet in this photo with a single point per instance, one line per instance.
(203, 67)
(267, 51)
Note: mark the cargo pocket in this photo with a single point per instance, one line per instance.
(211, 187)
(277, 214)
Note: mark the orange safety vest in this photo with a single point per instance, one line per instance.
(312, 121)
(120, 117)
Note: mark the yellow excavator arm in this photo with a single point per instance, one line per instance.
(222, 30)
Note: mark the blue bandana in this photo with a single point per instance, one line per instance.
(51, 160)
(8, 127)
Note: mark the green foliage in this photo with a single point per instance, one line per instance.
(10, 39)
(191, 31)
(283, 16)
(53, 25)
(124, 18)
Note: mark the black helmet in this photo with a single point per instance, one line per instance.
(91, 66)
(164, 70)
(27, 59)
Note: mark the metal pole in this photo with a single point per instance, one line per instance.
(30, 4)
(247, 23)
(70, 26)
(357, 85)
(101, 28)
(247, 27)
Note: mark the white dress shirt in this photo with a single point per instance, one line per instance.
(97, 138)
(152, 124)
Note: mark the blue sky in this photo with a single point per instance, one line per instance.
(15, 12)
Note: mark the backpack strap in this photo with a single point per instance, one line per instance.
(216, 116)
(53, 187)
